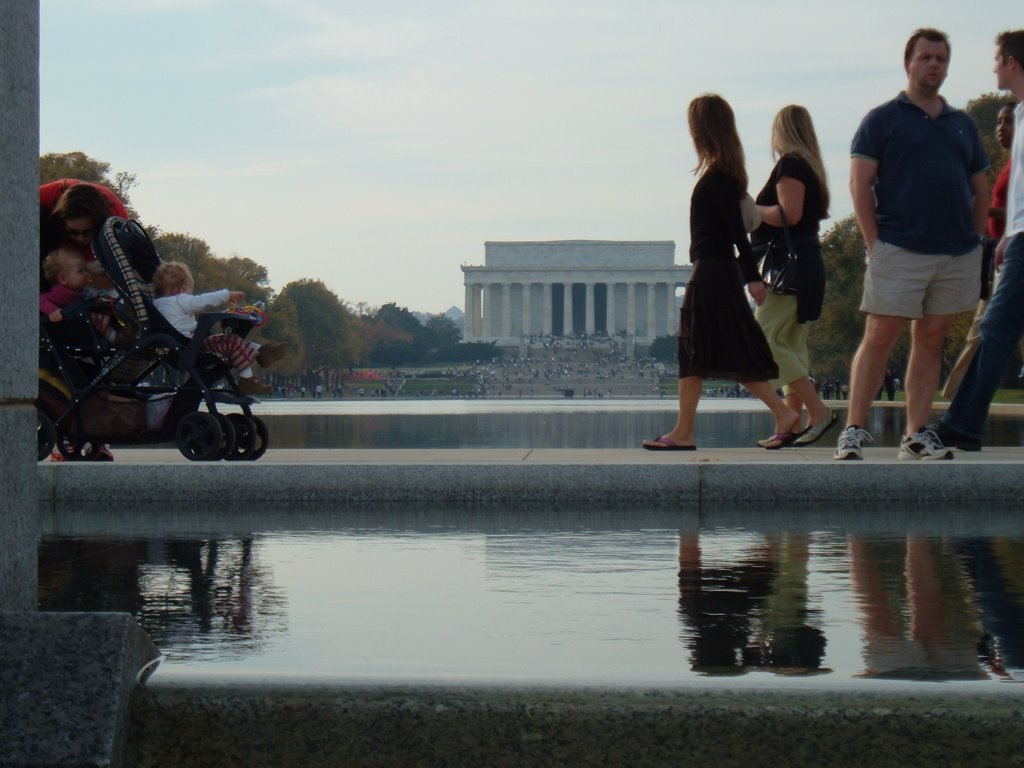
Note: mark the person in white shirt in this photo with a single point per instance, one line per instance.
(1003, 324)
(173, 286)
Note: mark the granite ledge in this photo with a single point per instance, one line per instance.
(188, 724)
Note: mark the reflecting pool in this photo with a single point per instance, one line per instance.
(577, 598)
(721, 423)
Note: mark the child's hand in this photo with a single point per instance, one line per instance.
(236, 297)
(56, 316)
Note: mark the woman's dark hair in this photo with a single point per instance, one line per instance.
(82, 201)
(713, 128)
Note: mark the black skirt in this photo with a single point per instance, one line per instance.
(718, 335)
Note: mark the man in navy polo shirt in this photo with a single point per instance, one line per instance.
(920, 195)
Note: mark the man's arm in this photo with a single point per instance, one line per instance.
(863, 173)
(982, 198)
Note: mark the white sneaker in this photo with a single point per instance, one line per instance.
(850, 441)
(924, 445)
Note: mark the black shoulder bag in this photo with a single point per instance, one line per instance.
(779, 261)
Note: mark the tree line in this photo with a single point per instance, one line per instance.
(325, 332)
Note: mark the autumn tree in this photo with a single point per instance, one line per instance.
(326, 328)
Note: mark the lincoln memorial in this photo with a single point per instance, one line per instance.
(572, 287)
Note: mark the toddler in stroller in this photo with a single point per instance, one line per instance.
(173, 287)
(68, 278)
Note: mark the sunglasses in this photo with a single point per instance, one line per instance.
(79, 232)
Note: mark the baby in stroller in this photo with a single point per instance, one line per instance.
(173, 287)
(68, 278)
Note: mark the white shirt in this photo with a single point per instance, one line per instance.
(1015, 193)
(181, 308)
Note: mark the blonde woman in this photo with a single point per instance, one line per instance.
(798, 186)
(718, 335)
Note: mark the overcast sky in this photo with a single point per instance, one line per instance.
(376, 145)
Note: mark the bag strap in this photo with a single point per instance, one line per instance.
(785, 232)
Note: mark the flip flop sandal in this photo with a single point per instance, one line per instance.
(666, 444)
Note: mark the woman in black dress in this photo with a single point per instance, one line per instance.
(718, 335)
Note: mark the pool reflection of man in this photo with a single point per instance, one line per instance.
(919, 618)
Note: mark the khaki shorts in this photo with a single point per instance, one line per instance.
(903, 283)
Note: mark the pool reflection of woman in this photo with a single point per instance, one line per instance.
(750, 612)
(718, 335)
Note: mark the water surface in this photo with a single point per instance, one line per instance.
(568, 599)
(384, 423)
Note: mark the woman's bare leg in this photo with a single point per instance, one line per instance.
(786, 419)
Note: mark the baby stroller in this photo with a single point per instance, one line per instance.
(143, 383)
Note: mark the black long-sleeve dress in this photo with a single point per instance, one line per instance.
(718, 335)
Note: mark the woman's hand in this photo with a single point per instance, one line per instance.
(758, 291)
(236, 297)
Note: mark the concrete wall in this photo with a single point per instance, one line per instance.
(19, 287)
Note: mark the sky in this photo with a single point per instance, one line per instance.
(377, 145)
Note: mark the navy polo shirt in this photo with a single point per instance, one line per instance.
(923, 191)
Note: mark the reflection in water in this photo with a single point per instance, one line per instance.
(614, 603)
(196, 598)
(920, 614)
(995, 569)
(750, 610)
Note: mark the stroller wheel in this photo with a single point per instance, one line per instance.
(245, 437)
(262, 439)
(228, 437)
(199, 436)
(46, 436)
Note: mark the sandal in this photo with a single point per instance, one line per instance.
(815, 432)
(779, 440)
(664, 443)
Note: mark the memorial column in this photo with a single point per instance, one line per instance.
(631, 309)
(590, 316)
(527, 319)
(469, 315)
(548, 310)
(652, 330)
(567, 309)
(610, 309)
(506, 309)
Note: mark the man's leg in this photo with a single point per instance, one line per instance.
(1001, 330)
(924, 370)
(868, 369)
(967, 353)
